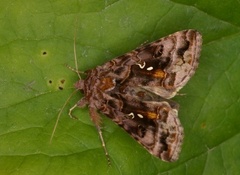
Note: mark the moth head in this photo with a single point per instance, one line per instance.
(79, 84)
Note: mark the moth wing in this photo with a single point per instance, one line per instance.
(166, 65)
(149, 119)
(163, 66)
(133, 90)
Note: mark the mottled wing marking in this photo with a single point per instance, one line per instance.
(133, 90)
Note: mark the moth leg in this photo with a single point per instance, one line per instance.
(81, 103)
(97, 121)
(70, 112)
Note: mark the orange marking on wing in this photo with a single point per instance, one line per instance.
(158, 73)
(152, 115)
(149, 115)
(107, 83)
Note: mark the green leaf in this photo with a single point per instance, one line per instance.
(37, 43)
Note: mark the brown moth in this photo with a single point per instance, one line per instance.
(134, 91)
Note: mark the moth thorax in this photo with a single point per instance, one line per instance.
(107, 83)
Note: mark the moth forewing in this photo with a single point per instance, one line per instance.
(154, 123)
(171, 61)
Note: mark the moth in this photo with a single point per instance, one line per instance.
(134, 91)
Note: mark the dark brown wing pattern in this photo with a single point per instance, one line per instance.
(133, 90)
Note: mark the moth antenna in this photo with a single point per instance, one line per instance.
(75, 51)
(59, 114)
(74, 70)
(78, 73)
